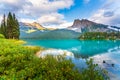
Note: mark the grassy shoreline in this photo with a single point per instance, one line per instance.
(18, 62)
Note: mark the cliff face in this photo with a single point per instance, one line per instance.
(85, 25)
(82, 23)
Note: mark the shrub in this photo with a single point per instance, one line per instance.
(20, 63)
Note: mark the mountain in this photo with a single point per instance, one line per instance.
(51, 34)
(34, 25)
(37, 31)
(85, 25)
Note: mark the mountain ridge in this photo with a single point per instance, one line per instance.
(74, 31)
(85, 25)
(34, 25)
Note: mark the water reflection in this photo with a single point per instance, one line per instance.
(91, 48)
(112, 57)
(98, 50)
(78, 47)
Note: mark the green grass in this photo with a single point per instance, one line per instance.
(18, 62)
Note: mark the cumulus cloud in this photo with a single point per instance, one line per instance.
(43, 11)
(12, 5)
(53, 18)
(63, 25)
(50, 6)
(108, 14)
(26, 20)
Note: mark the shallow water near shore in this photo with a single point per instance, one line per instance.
(98, 50)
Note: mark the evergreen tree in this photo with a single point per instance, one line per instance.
(16, 31)
(3, 26)
(10, 27)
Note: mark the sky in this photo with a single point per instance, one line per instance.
(62, 13)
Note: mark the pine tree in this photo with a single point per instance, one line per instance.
(1, 29)
(16, 31)
(3, 26)
(10, 27)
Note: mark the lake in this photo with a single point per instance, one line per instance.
(78, 47)
(98, 50)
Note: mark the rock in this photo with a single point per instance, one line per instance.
(113, 65)
(103, 61)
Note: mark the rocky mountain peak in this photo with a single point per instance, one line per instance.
(85, 25)
(35, 25)
(82, 23)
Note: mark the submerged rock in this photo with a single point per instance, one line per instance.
(103, 61)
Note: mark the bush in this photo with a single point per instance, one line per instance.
(94, 72)
(20, 63)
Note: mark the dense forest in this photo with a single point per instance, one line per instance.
(100, 36)
(10, 27)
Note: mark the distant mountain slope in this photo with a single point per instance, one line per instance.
(33, 25)
(51, 34)
(35, 30)
(85, 25)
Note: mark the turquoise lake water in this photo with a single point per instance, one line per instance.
(78, 47)
(98, 50)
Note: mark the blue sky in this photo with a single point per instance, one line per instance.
(61, 13)
(81, 9)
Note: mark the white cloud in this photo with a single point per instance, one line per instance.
(41, 7)
(12, 5)
(53, 18)
(100, 18)
(66, 24)
(27, 20)
(108, 14)
(8, 1)
(44, 11)
(63, 25)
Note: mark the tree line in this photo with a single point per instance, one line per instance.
(100, 36)
(10, 26)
